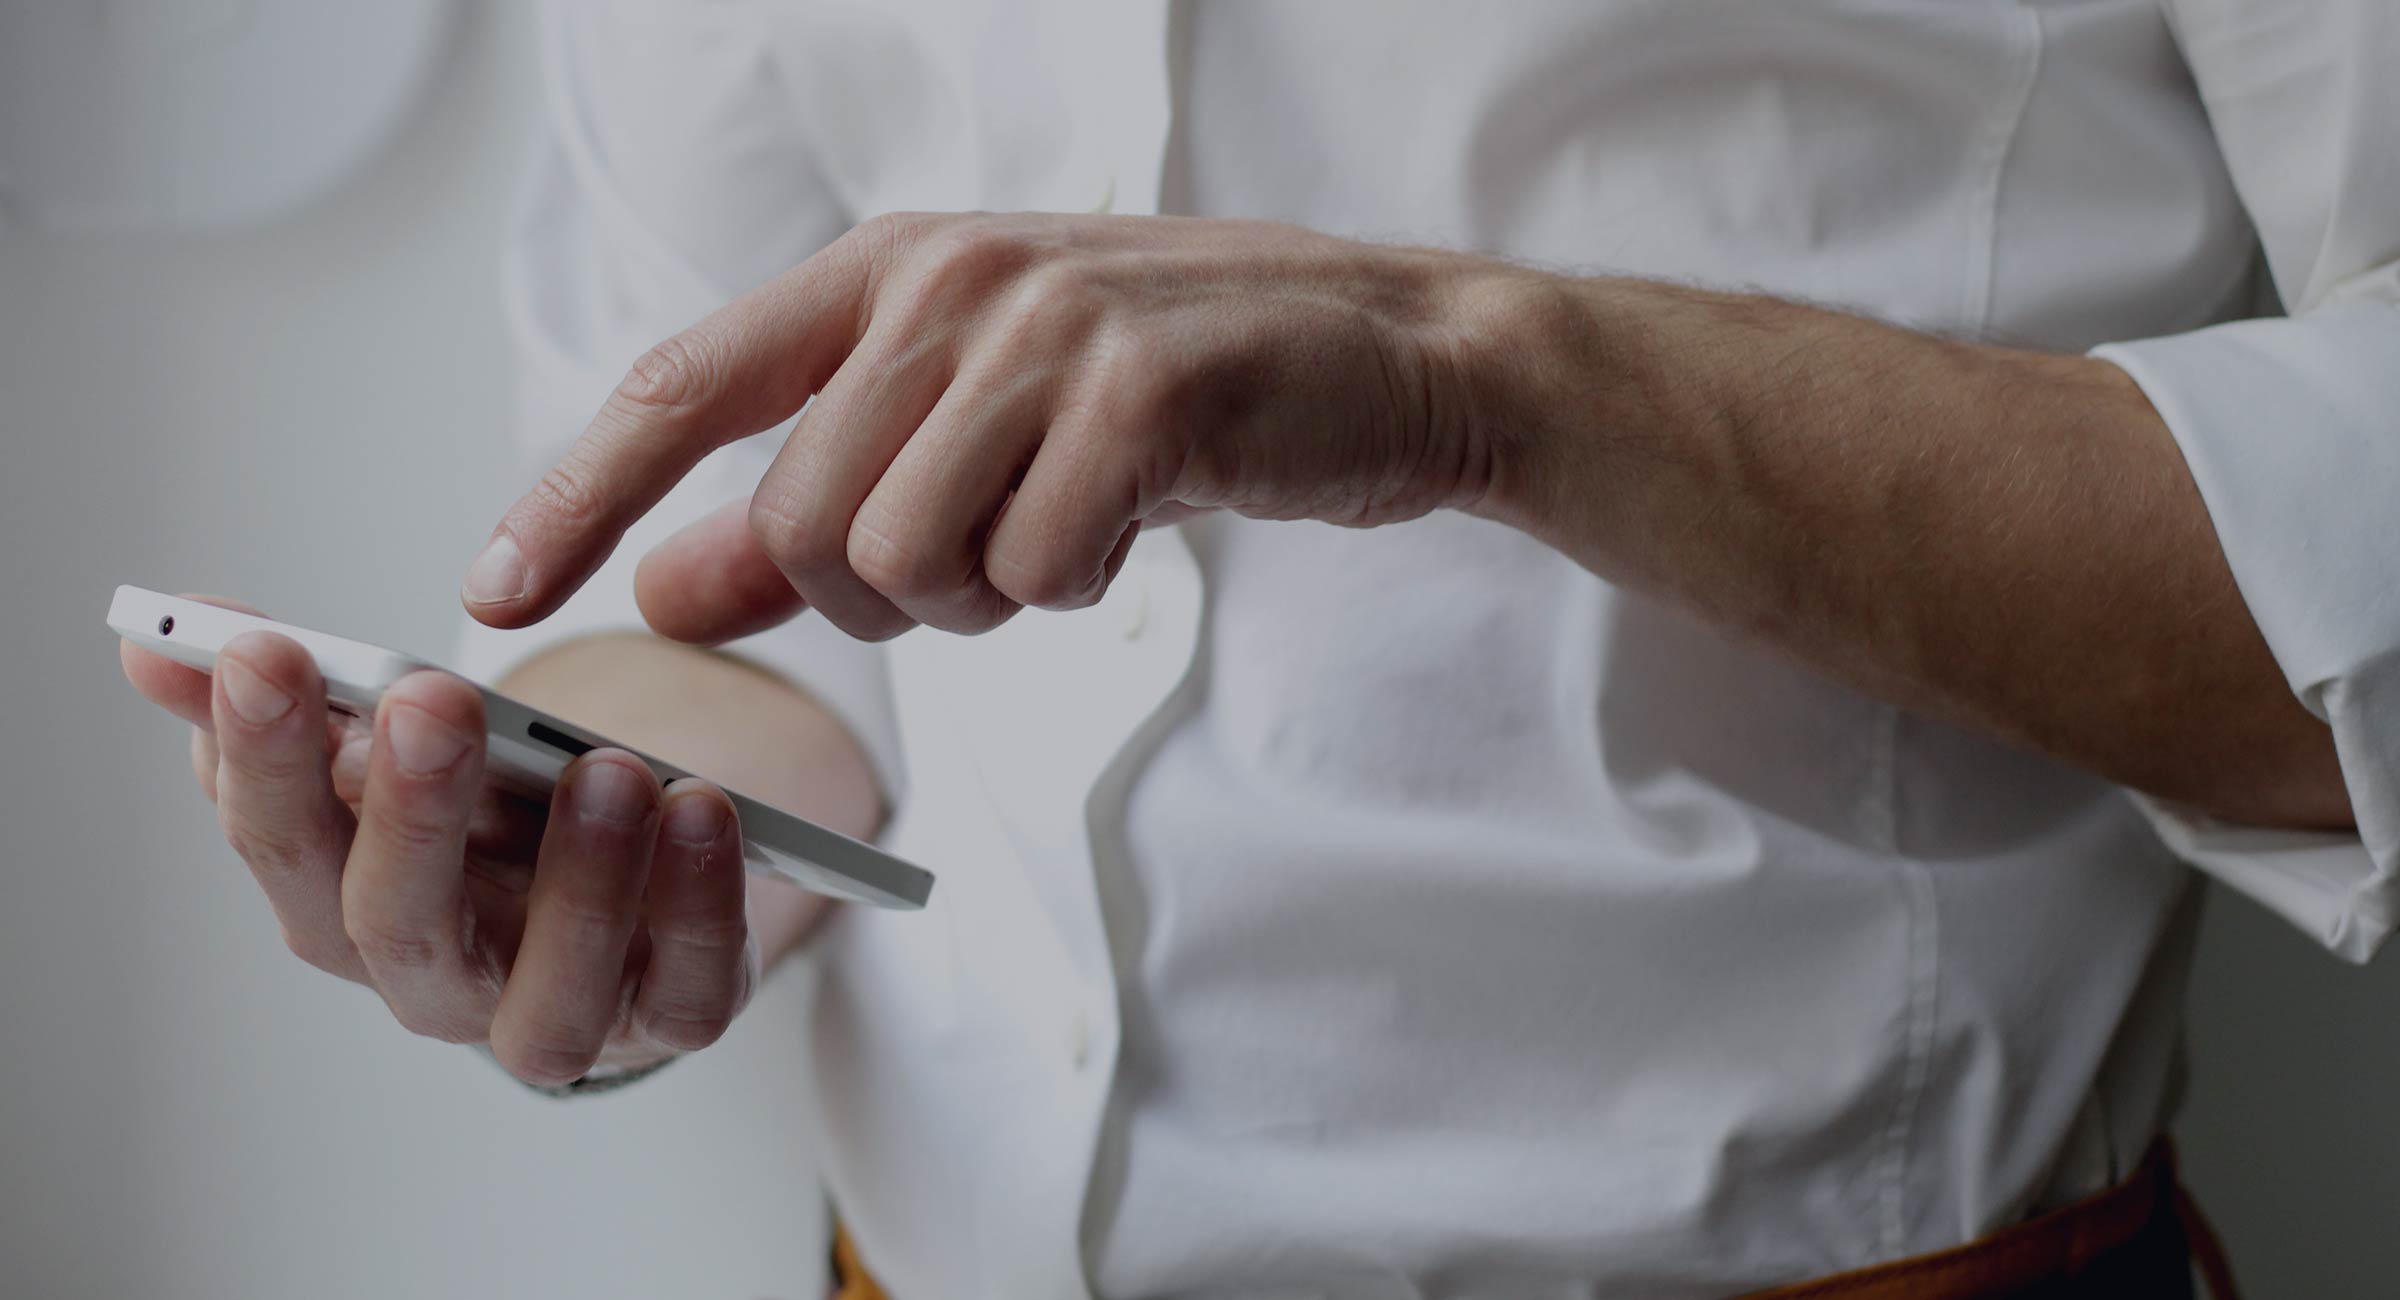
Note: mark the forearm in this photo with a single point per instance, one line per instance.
(2006, 539)
(733, 723)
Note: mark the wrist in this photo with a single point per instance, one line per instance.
(1594, 395)
(1522, 356)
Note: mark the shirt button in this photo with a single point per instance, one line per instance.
(1079, 1039)
(1135, 615)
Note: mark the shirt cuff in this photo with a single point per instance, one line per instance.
(2290, 431)
(845, 675)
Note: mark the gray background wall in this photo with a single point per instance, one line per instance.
(298, 416)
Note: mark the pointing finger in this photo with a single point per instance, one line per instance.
(746, 368)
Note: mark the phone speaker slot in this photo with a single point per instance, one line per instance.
(557, 739)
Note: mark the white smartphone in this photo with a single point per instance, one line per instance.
(527, 748)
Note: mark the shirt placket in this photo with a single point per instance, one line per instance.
(1152, 619)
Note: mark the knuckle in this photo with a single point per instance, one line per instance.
(325, 953)
(978, 248)
(1033, 313)
(711, 934)
(982, 608)
(688, 1024)
(566, 495)
(871, 627)
(887, 230)
(882, 241)
(415, 834)
(239, 837)
(269, 761)
(384, 945)
(988, 614)
(1048, 290)
(441, 1024)
(589, 914)
(893, 565)
(952, 269)
(678, 371)
(268, 853)
(922, 304)
(794, 536)
(1039, 581)
(548, 1053)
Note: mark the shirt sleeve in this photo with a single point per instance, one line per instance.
(2291, 427)
(668, 178)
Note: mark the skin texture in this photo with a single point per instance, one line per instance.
(612, 926)
(1000, 403)
(2006, 539)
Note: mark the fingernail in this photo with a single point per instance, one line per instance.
(696, 818)
(610, 792)
(423, 744)
(254, 699)
(498, 575)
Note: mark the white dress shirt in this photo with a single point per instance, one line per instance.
(1408, 912)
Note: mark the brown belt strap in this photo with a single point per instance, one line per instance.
(2146, 1217)
(2144, 1227)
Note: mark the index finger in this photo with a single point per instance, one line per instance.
(180, 690)
(747, 367)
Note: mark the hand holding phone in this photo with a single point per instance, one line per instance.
(603, 926)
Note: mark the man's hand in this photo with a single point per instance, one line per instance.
(1001, 402)
(606, 928)
(2004, 539)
